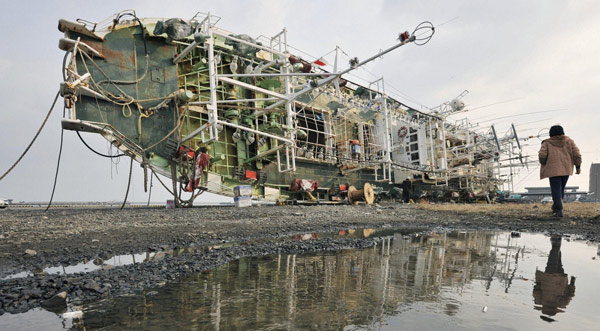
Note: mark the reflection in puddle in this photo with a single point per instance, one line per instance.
(455, 280)
(115, 261)
(424, 281)
(552, 290)
(127, 259)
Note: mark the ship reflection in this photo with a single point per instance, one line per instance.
(552, 291)
(327, 291)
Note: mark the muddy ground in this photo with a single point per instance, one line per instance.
(194, 240)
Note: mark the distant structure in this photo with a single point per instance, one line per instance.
(538, 193)
(594, 182)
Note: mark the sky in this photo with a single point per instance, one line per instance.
(534, 62)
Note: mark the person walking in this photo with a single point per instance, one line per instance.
(406, 188)
(557, 156)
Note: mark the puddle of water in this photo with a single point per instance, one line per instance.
(115, 261)
(89, 266)
(455, 280)
(122, 260)
(37, 319)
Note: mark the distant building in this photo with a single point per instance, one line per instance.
(538, 193)
(594, 182)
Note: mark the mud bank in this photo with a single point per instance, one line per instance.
(188, 241)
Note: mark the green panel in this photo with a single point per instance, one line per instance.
(124, 49)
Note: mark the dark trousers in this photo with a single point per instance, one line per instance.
(405, 196)
(557, 186)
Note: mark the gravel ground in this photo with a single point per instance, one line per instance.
(31, 240)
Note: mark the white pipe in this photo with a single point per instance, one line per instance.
(292, 74)
(185, 52)
(252, 87)
(329, 79)
(212, 107)
(231, 101)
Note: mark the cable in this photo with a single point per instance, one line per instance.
(34, 138)
(161, 182)
(98, 153)
(516, 115)
(128, 183)
(529, 174)
(62, 131)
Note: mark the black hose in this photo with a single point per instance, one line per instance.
(128, 183)
(34, 138)
(64, 66)
(91, 149)
(62, 131)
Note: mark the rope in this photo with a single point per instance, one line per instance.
(34, 138)
(161, 182)
(150, 193)
(62, 131)
(128, 183)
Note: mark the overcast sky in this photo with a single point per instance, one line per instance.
(543, 55)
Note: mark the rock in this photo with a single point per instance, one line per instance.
(95, 240)
(39, 272)
(30, 252)
(91, 285)
(57, 303)
(33, 293)
(73, 315)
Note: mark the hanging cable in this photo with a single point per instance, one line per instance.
(161, 182)
(150, 191)
(526, 114)
(62, 131)
(34, 138)
(128, 183)
(98, 153)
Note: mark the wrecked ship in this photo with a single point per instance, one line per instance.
(212, 110)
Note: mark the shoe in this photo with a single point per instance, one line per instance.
(557, 214)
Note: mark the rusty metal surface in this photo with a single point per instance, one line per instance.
(125, 60)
